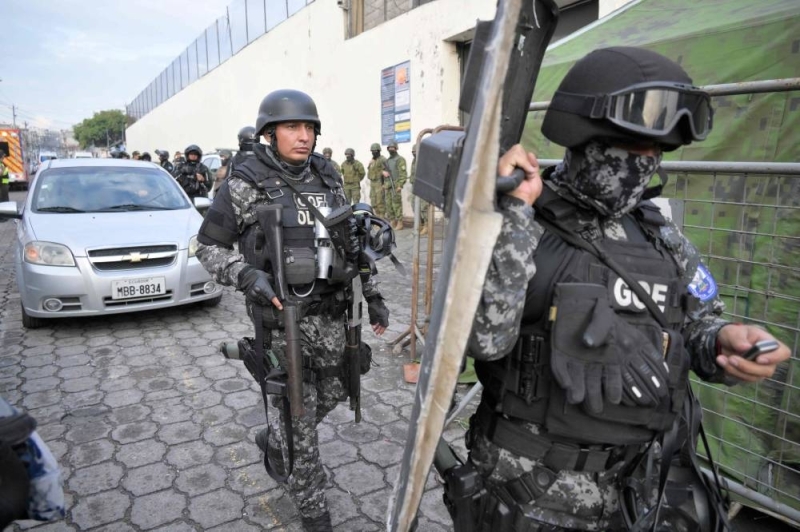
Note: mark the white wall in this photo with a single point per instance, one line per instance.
(309, 52)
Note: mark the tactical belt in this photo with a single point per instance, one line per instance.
(558, 456)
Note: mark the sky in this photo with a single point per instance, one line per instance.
(64, 60)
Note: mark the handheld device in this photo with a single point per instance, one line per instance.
(759, 348)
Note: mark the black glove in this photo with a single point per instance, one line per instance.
(255, 285)
(378, 313)
(597, 357)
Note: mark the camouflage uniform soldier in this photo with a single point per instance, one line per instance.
(598, 371)
(352, 173)
(328, 153)
(394, 196)
(423, 205)
(290, 119)
(377, 174)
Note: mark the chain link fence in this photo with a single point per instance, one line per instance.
(243, 22)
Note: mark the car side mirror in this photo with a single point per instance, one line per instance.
(200, 203)
(10, 209)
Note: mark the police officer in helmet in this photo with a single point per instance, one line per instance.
(163, 160)
(598, 370)
(247, 139)
(289, 173)
(193, 176)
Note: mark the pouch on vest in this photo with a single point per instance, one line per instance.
(590, 350)
(301, 266)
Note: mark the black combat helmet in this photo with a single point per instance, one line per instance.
(284, 106)
(247, 138)
(628, 95)
(193, 148)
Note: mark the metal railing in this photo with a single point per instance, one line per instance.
(244, 21)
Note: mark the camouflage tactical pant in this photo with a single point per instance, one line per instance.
(574, 501)
(377, 199)
(323, 340)
(353, 193)
(423, 211)
(394, 205)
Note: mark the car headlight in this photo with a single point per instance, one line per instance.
(48, 254)
(193, 246)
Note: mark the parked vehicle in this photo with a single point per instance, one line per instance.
(106, 236)
(11, 143)
(83, 155)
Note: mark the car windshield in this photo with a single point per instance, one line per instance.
(106, 189)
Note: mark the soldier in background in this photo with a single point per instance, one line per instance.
(423, 205)
(396, 165)
(377, 174)
(352, 173)
(328, 153)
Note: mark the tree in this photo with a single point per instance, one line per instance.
(105, 128)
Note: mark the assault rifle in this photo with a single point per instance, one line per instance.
(457, 171)
(391, 179)
(352, 350)
(270, 217)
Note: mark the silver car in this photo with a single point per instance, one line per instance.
(106, 236)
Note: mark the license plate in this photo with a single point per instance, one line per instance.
(144, 287)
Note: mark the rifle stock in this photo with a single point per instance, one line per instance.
(270, 217)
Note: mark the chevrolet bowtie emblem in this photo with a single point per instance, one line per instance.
(136, 257)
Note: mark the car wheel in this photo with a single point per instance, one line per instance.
(31, 322)
(213, 302)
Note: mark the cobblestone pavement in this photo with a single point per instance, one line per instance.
(155, 430)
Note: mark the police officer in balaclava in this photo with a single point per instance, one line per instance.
(594, 309)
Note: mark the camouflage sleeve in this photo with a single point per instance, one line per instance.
(497, 320)
(222, 262)
(402, 173)
(369, 288)
(360, 172)
(703, 320)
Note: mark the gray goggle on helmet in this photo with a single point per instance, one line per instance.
(650, 109)
(627, 95)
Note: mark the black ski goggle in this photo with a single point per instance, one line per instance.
(652, 109)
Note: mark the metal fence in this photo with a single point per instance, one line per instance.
(243, 22)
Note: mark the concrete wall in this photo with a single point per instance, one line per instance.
(309, 52)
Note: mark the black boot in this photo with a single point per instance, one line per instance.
(275, 454)
(321, 523)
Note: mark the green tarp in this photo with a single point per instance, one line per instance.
(747, 227)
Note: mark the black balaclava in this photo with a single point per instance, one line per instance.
(609, 180)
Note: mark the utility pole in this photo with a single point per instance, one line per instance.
(14, 115)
